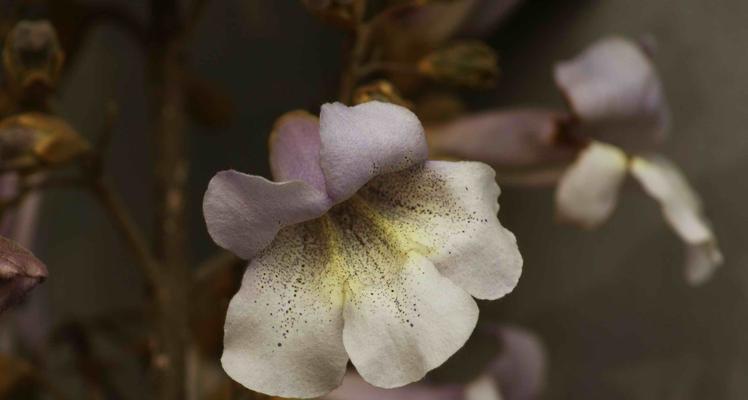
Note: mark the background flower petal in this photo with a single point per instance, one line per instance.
(245, 212)
(370, 139)
(483, 388)
(356, 388)
(397, 333)
(701, 262)
(516, 139)
(449, 209)
(294, 149)
(521, 366)
(682, 209)
(615, 94)
(284, 327)
(588, 192)
(681, 206)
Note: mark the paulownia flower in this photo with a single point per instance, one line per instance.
(618, 102)
(617, 116)
(361, 249)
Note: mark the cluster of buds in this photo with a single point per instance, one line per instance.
(33, 59)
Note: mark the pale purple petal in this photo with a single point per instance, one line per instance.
(355, 388)
(512, 139)
(520, 368)
(245, 212)
(294, 150)
(20, 271)
(615, 94)
(370, 139)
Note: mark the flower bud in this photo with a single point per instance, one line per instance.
(42, 137)
(380, 91)
(20, 271)
(471, 64)
(32, 57)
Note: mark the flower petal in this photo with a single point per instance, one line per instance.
(614, 91)
(284, 327)
(483, 388)
(20, 271)
(522, 138)
(294, 149)
(701, 262)
(682, 209)
(588, 191)
(398, 329)
(449, 210)
(370, 139)
(245, 212)
(355, 388)
(681, 206)
(520, 368)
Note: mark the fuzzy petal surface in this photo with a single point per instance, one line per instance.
(283, 333)
(245, 212)
(367, 140)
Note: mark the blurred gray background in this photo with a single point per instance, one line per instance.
(612, 306)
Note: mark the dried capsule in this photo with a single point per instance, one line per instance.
(32, 57)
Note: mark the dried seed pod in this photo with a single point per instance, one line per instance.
(20, 271)
(32, 57)
(381, 90)
(471, 64)
(43, 137)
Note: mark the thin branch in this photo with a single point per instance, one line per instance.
(129, 231)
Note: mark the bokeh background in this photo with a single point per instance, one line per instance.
(611, 306)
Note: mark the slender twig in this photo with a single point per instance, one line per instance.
(354, 54)
(127, 228)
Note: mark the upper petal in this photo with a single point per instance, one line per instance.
(614, 91)
(294, 149)
(523, 138)
(449, 210)
(399, 328)
(245, 212)
(361, 142)
(588, 192)
(284, 327)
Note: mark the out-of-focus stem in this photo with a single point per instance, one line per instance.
(354, 54)
(129, 231)
(167, 88)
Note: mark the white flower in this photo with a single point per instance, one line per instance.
(363, 250)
